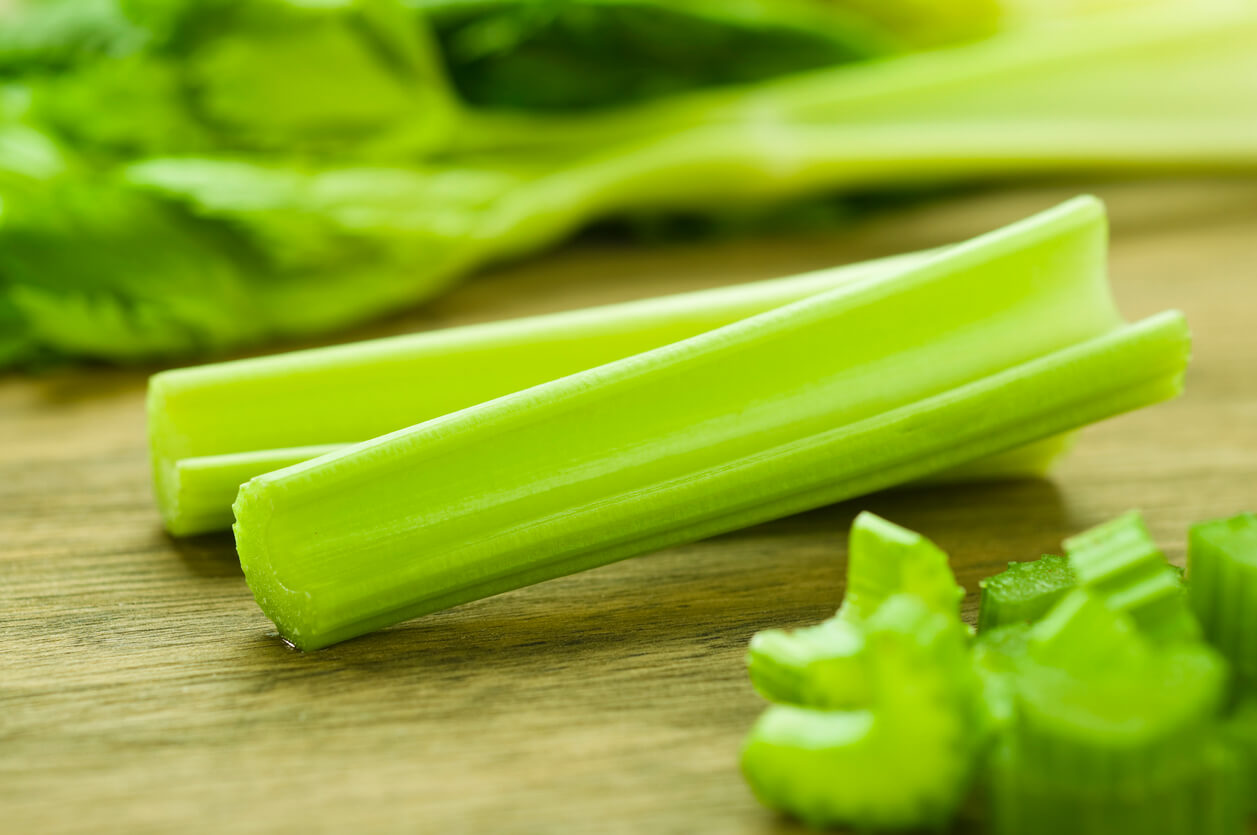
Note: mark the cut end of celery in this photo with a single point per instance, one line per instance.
(828, 767)
(287, 608)
(817, 666)
(177, 517)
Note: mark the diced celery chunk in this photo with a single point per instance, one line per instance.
(831, 767)
(1121, 563)
(1024, 591)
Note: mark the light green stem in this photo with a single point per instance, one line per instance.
(979, 349)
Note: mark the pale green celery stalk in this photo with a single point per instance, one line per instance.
(1189, 70)
(224, 423)
(1143, 92)
(980, 348)
(197, 492)
(723, 166)
(213, 427)
(1140, 93)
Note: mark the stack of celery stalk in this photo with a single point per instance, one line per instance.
(187, 177)
(389, 479)
(1100, 695)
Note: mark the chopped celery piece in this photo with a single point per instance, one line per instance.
(269, 405)
(867, 385)
(1084, 635)
(1120, 562)
(819, 666)
(831, 767)
(824, 665)
(1108, 728)
(1023, 592)
(1222, 587)
(885, 559)
(996, 654)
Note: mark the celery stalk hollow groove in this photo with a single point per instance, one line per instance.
(973, 350)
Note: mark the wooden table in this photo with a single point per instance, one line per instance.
(141, 690)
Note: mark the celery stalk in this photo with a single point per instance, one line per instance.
(197, 493)
(1160, 91)
(1205, 797)
(1154, 87)
(213, 427)
(996, 654)
(979, 348)
(275, 408)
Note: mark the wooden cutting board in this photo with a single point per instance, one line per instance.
(141, 690)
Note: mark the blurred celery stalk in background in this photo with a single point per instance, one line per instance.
(190, 177)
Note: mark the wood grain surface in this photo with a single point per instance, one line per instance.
(141, 690)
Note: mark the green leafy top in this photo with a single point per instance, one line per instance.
(358, 78)
(597, 53)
